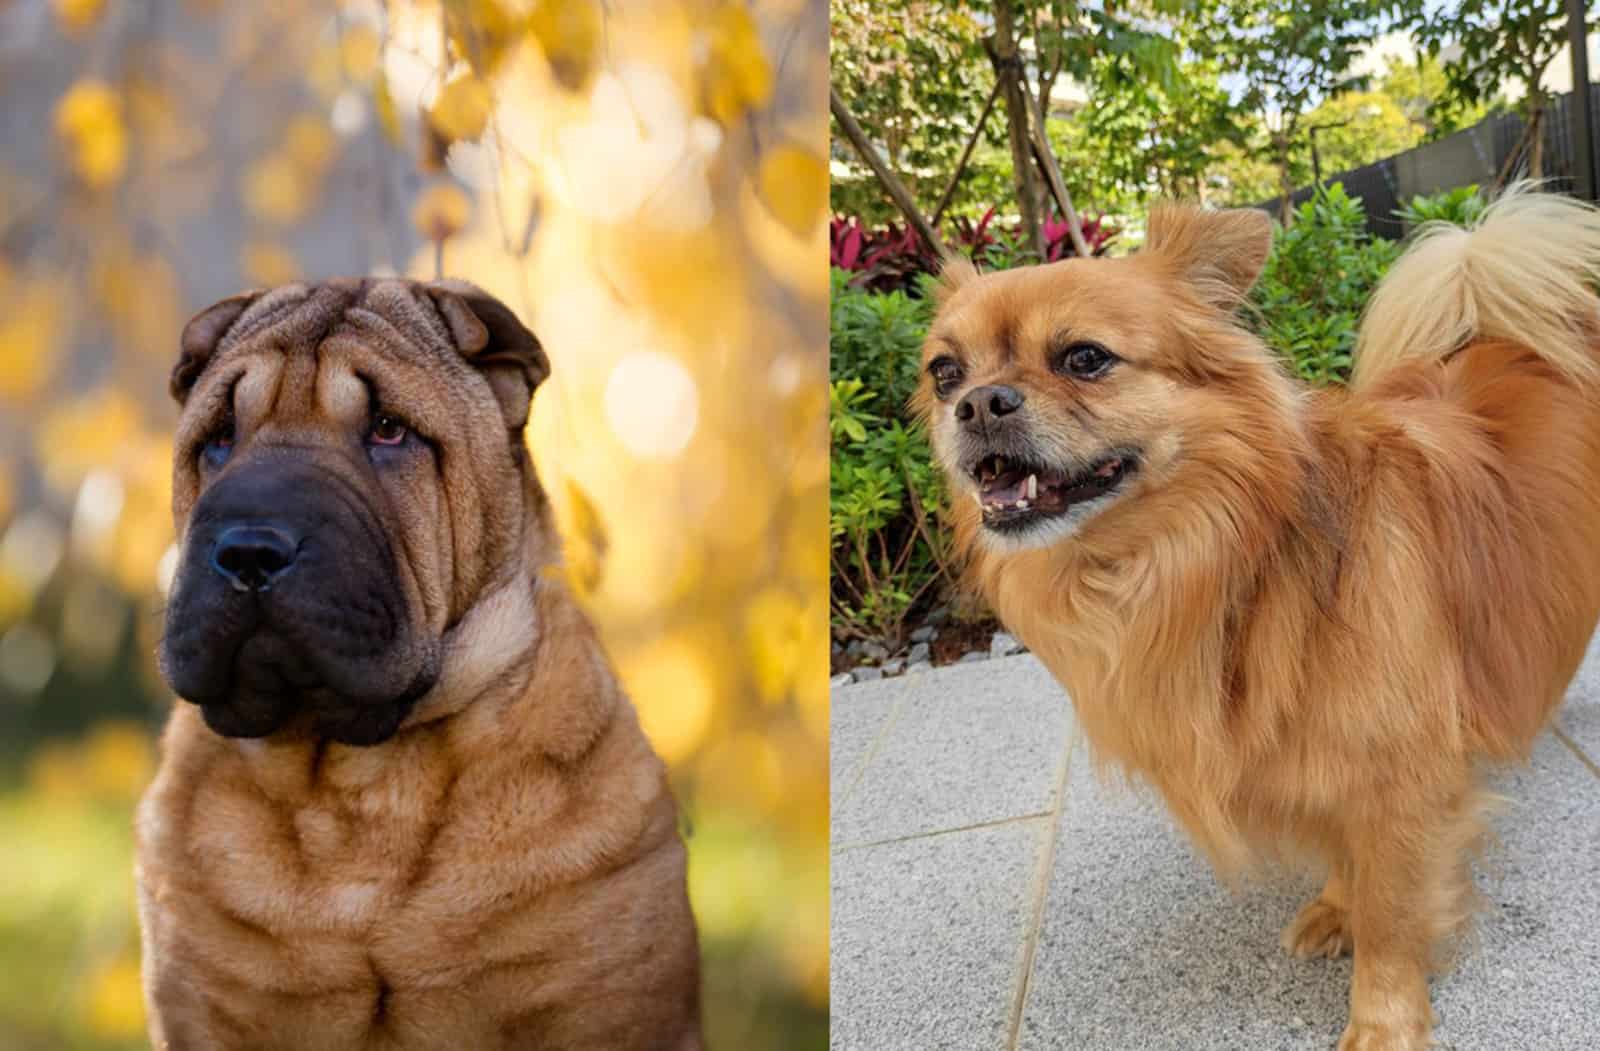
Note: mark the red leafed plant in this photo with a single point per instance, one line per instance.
(892, 257)
(1058, 242)
(881, 259)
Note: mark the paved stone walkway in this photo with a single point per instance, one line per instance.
(990, 893)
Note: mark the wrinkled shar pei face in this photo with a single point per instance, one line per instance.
(349, 477)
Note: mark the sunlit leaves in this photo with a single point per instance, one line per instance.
(737, 75)
(89, 124)
(267, 263)
(275, 190)
(569, 34)
(79, 435)
(441, 212)
(359, 52)
(586, 544)
(481, 32)
(676, 667)
(794, 185)
(34, 325)
(282, 187)
(78, 15)
(115, 1006)
(462, 109)
(141, 298)
(388, 115)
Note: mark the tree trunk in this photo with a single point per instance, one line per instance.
(1008, 66)
(1536, 131)
(1285, 180)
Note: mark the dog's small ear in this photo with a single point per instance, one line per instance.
(200, 339)
(489, 335)
(1221, 253)
(955, 272)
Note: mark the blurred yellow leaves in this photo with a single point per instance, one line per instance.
(360, 52)
(388, 116)
(737, 74)
(140, 296)
(113, 763)
(89, 123)
(33, 319)
(275, 190)
(266, 263)
(585, 548)
(461, 112)
(481, 31)
(676, 689)
(80, 435)
(794, 185)
(281, 187)
(77, 15)
(441, 212)
(569, 33)
(115, 1006)
(310, 144)
(783, 640)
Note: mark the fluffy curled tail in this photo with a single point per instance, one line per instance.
(1524, 272)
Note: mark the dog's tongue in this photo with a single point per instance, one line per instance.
(1006, 489)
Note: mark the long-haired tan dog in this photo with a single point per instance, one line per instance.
(1304, 617)
(409, 806)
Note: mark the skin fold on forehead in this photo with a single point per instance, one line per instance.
(305, 315)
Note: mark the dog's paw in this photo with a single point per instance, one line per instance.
(1385, 1038)
(1321, 929)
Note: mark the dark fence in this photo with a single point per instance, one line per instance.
(1473, 155)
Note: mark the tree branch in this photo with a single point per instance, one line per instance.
(890, 182)
(966, 155)
(1058, 188)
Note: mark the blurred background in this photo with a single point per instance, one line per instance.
(646, 184)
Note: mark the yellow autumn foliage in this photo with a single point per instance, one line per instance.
(78, 15)
(89, 123)
(462, 109)
(794, 185)
(34, 326)
(441, 212)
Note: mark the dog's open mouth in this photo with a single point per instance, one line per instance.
(1012, 493)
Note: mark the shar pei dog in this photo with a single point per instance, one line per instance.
(406, 804)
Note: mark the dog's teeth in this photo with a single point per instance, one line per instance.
(1021, 505)
(1033, 487)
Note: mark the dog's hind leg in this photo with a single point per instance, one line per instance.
(1322, 927)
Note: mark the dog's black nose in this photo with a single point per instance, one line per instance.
(983, 404)
(251, 557)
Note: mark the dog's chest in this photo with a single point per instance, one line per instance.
(374, 900)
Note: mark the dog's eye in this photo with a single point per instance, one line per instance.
(387, 430)
(1085, 361)
(217, 447)
(947, 374)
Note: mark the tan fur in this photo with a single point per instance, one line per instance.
(1311, 616)
(504, 872)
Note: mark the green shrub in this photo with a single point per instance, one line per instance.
(1321, 271)
(1461, 206)
(889, 549)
